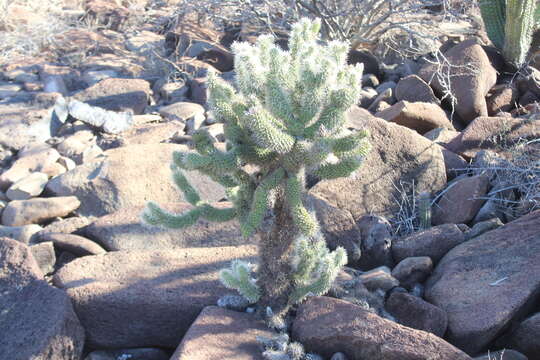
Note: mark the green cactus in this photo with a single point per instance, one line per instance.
(510, 25)
(424, 210)
(286, 120)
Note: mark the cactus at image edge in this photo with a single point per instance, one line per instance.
(285, 119)
(510, 25)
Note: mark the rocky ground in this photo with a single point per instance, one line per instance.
(85, 144)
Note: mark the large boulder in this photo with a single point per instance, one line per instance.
(145, 298)
(219, 333)
(468, 74)
(38, 321)
(123, 230)
(398, 156)
(325, 326)
(486, 283)
(129, 176)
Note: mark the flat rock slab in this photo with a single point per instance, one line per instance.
(145, 298)
(117, 94)
(325, 326)
(123, 230)
(488, 281)
(398, 156)
(129, 176)
(222, 334)
(25, 212)
(37, 321)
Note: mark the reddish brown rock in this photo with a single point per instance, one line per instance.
(412, 88)
(421, 117)
(488, 282)
(398, 155)
(145, 298)
(117, 94)
(434, 242)
(502, 98)
(491, 133)
(461, 200)
(326, 326)
(412, 311)
(471, 76)
(219, 333)
(413, 270)
(75, 244)
(38, 321)
(153, 133)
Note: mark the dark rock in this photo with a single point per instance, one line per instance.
(412, 270)
(222, 334)
(325, 326)
(486, 283)
(376, 242)
(412, 88)
(145, 298)
(434, 242)
(525, 338)
(416, 313)
(38, 321)
(461, 200)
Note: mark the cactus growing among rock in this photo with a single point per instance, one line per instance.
(285, 120)
(510, 25)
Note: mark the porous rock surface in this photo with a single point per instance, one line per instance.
(145, 298)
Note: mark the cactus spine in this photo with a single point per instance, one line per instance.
(510, 25)
(285, 120)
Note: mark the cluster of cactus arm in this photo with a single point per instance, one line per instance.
(286, 120)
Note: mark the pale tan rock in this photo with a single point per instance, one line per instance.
(28, 187)
(33, 211)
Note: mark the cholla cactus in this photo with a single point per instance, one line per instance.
(510, 25)
(285, 120)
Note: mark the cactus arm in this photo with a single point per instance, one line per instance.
(494, 15)
(238, 278)
(349, 142)
(155, 216)
(342, 168)
(304, 221)
(518, 30)
(260, 202)
(190, 193)
(212, 213)
(265, 133)
(203, 142)
(327, 272)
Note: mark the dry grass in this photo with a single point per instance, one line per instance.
(29, 37)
